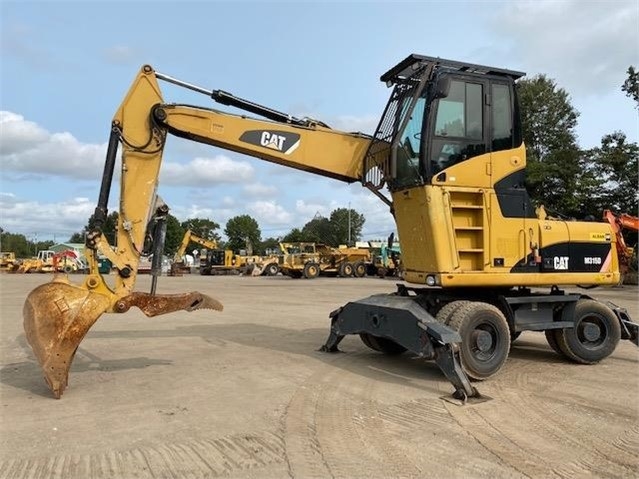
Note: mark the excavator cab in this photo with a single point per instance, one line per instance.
(441, 113)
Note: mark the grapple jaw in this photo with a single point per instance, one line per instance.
(57, 316)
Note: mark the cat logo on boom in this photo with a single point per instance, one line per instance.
(281, 141)
(271, 140)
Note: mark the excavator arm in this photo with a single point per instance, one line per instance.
(57, 315)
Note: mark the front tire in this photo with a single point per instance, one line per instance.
(595, 335)
(445, 314)
(383, 345)
(553, 342)
(311, 270)
(485, 339)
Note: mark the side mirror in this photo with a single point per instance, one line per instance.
(442, 87)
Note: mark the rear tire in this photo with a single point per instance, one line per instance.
(359, 269)
(485, 339)
(595, 335)
(383, 345)
(346, 270)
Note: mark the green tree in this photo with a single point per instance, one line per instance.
(243, 232)
(17, 243)
(631, 86)
(346, 225)
(109, 228)
(270, 244)
(318, 230)
(615, 163)
(202, 227)
(294, 236)
(342, 225)
(555, 164)
(174, 234)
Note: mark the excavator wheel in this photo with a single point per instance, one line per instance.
(383, 345)
(359, 269)
(346, 270)
(595, 335)
(446, 313)
(553, 342)
(311, 270)
(365, 337)
(485, 339)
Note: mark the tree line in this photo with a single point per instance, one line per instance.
(569, 181)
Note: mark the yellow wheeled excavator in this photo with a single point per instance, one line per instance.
(448, 160)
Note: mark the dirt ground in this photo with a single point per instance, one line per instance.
(245, 394)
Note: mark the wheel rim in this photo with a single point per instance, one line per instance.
(484, 342)
(592, 331)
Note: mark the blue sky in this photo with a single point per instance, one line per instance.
(65, 67)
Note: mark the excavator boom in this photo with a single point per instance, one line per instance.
(57, 315)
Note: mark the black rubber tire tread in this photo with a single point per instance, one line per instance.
(382, 272)
(359, 269)
(346, 270)
(574, 349)
(272, 269)
(551, 338)
(311, 270)
(446, 313)
(386, 346)
(365, 337)
(462, 322)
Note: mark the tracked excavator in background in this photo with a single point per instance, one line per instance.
(447, 159)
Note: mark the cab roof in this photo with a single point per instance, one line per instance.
(411, 67)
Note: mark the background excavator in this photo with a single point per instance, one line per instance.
(189, 237)
(448, 160)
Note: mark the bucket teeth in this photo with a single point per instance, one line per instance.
(155, 305)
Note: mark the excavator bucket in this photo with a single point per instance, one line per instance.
(57, 316)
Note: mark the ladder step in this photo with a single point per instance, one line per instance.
(468, 207)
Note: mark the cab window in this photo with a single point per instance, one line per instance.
(501, 134)
(459, 126)
(408, 171)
